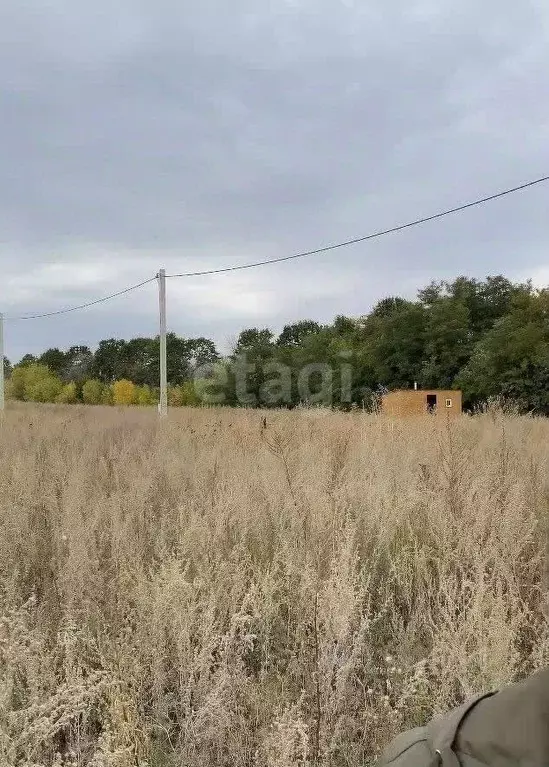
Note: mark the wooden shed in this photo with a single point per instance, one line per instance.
(409, 402)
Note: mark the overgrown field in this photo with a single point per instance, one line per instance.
(213, 592)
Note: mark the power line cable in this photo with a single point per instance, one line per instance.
(372, 236)
(80, 306)
(292, 257)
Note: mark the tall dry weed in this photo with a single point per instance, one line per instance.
(270, 589)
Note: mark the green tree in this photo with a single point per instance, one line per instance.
(388, 306)
(7, 367)
(253, 351)
(28, 359)
(448, 343)
(178, 353)
(435, 340)
(200, 351)
(215, 386)
(395, 345)
(190, 393)
(487, 301)
(108, 360)
(144, 396)
(183, 357)
(92, 392)
(16, 388)
(253, 340)
(344, 326)
(294, 335)
(55, 360)
(140, 361)
(432, 293)
(512, 360)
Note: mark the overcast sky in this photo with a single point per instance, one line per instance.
(196, 135)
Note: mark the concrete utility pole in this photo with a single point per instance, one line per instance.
(163, 406)
(1, 362)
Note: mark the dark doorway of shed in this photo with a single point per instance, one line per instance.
(431, 403)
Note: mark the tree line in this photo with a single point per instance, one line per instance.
(488, 337)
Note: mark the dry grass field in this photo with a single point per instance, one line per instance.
(212, 592)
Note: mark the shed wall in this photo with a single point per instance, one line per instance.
(412, 402)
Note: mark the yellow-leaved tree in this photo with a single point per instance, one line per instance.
(68, 394)
(34, 383)
(124, 392)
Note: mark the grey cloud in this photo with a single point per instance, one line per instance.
(215, 132)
